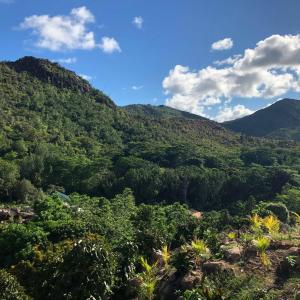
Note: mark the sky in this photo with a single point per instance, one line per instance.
(219, 59)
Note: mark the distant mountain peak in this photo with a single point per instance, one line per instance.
(279, 120)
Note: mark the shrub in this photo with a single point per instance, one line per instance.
(10, 289)
(87, 271)
(279, 210)
(183, 260)
(17, 241)
(225, 286)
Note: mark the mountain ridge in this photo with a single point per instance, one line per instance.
(280, 120)
(52, 73)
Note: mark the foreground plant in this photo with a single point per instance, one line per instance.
(262, 244)
(201, 250)
(166, 255)
(148, 279)
(256, 222)
(272, 224)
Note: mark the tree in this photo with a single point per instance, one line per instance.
(9, 174)
(26, 192)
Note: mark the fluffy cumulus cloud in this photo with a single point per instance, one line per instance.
(109, 45)
(230, 113)
(224, 44)
(269, 70)
(57, 33)
(138, 22)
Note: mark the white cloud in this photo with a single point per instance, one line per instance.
(83, 14)
(136, 88)
(66, 32)
(86, 77)
(269, 70)
(231, 113)
(228, 61)
(224, 44)
(109, 45)
(138, 22)
(62, 32)
(69, 60)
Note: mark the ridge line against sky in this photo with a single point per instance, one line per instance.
(138, 54)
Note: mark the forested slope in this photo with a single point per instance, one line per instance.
(57, 132)
(96, 200)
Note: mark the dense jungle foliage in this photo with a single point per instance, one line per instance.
(88, 188)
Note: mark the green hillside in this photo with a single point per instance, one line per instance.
(58, 132)
(279, 120)
(140, 202)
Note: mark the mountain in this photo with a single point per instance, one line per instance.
(39, 91)
(52, 73)
(280, 120)
(161, 112)
(57, 130)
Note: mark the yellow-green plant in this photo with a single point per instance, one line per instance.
(166, 255)
(231, 235)
(265, 259)
(262, 244)
(272, 224)
(146, 266)
(256, 222)
(147, 289)
(148, 279)
(200, 248)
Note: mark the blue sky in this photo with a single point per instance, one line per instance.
(160, 52)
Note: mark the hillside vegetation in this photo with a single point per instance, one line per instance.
(98, 201)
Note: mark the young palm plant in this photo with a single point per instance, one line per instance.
(201, 250)
(261, 244)
(272, 224)
(148, 279)
(256, 223)
(166, 256)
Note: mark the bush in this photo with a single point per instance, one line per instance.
(88, 271)
(10, 289)
(183, 260)
(279, 210)
(17, 241)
